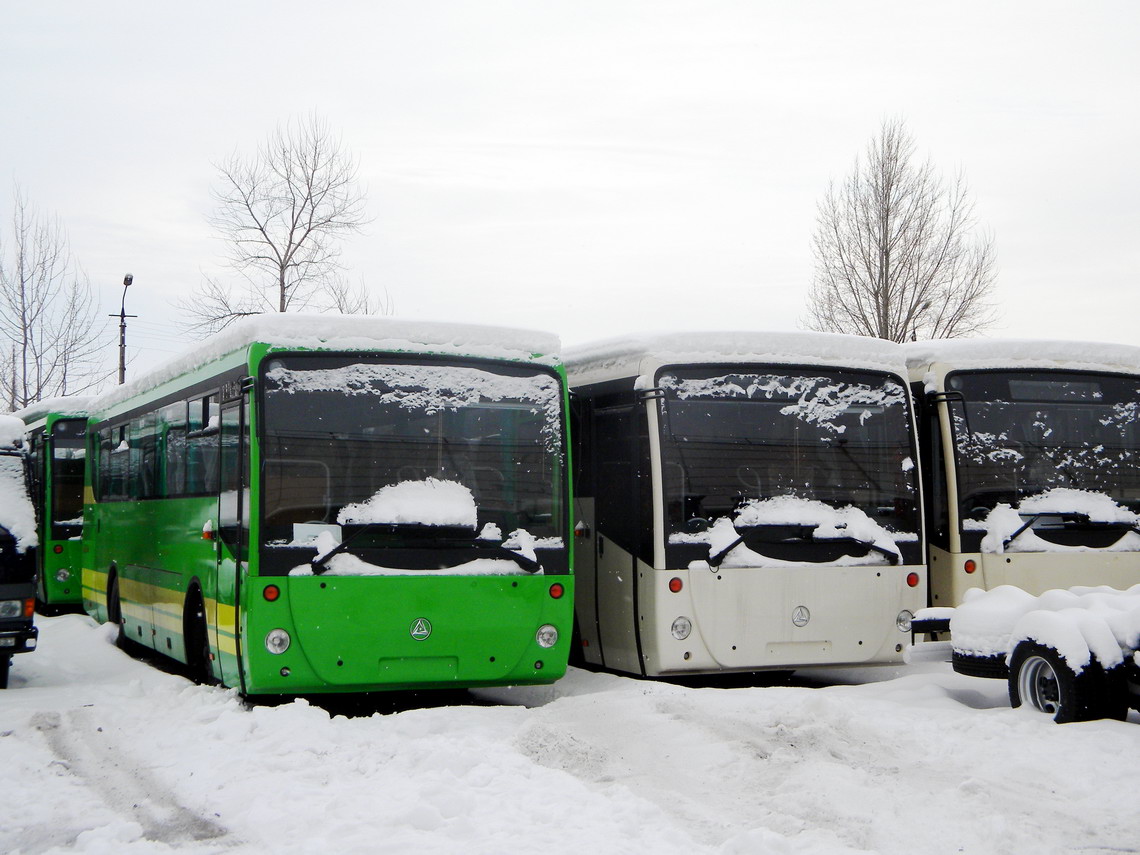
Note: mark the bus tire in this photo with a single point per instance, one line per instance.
(5, 667)
(1041, 678)
(197, 639)
(115, 611)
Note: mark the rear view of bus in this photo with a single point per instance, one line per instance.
(57, 445)
(745, 502)
(1032, 452)
(341, 505)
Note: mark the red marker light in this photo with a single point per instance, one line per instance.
(57, 549)
(271, 592)
(912, 579)
(971, 566)
(675, 585)
(30, 607)
(556, 590)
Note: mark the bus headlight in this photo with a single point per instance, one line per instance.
(681, 628)
(547, 636)
(277, 641)
(62, 575)
(903, 620)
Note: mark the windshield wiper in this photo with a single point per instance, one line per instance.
(807, 536)
(1069, 518)
(320, 563)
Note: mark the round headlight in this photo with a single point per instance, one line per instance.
(681, 628)
(277, 641)
(62, 574)
(547, 636)
(903, 620)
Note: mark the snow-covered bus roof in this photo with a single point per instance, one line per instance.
(71, 405)
(636, 355)
(981, 353)
(348, 333)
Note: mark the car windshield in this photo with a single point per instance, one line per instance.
(1019, 434)
(439, 449)
(733, 439)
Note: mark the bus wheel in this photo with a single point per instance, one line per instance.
(1041, 678)
(5, 667)
(197, 640)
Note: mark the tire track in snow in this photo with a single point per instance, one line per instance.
(127, 787)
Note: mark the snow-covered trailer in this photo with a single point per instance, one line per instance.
(744, 501)
(1074, 654)
(1031, 460)
(18, 541)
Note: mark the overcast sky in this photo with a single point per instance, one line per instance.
(586, 168)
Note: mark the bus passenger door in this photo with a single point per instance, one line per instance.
(232, 539)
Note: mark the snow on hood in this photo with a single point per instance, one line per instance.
(431, 502)
(16, 512)
(1078, 623)
(11, 432)
(827, 523)
(1004, 521)
(980, 353)
(640, 354)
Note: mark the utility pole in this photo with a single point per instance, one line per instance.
(127, 280)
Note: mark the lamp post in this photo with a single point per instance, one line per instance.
(127, 280)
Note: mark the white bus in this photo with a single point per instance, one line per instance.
(1031, 454)
(744, 502)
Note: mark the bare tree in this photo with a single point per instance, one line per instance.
(282, 214)
(896, 255)
(50, 334)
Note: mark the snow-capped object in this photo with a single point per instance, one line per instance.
(431, 502)
(1004, 521)
(11, 432)
(978, 353)
(16, 512)
(640, 354)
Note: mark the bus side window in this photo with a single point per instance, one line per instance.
(117, 463)
(172, 426)
(202, 447)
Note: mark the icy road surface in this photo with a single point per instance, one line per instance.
(101, 753)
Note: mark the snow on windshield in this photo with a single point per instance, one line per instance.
(1005, 520)
(817, 400)
(16, 512)
(431, 502)
(1076, 622)
(827, 523)
(430, 388)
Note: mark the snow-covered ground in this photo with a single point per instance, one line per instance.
(100, 753)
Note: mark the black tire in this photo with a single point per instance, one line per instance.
(197, 640)
(1041, 678)
(115, 616)
(5, 667)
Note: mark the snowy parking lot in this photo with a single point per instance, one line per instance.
(102, 753)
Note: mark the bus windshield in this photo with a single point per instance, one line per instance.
(442, 457)
(1023, 434)
(786, 448)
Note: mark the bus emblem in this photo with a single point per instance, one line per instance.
(421, 628)
(801, 616)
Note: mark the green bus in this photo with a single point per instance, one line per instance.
(57, 446)
(311, 504)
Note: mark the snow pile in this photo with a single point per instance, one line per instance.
(103, 753)
(826, 522)
(432, 502)
(348, 333)
(1079, 623)
(11, 432)
(16, 512)
(976, 353)
(1004, 521)
(641, 354)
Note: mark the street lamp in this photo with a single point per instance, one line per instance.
(127, 280)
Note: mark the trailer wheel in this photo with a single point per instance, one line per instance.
(1041, 678)
(5, 667)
